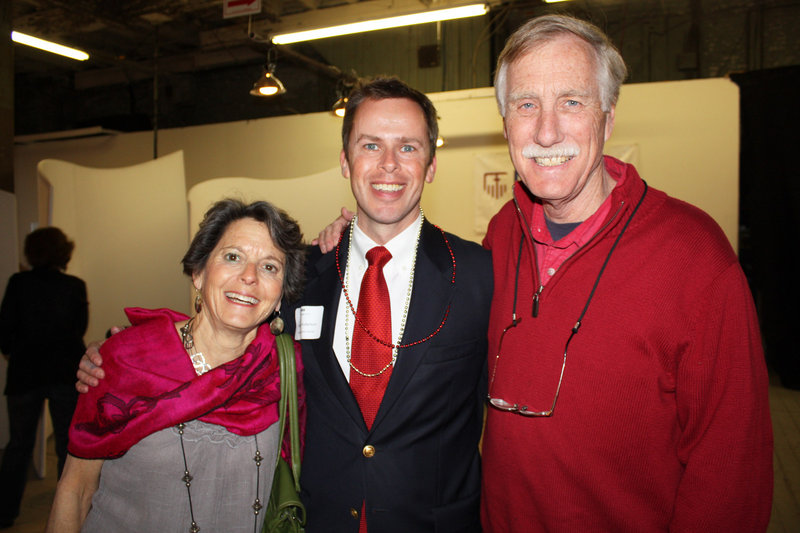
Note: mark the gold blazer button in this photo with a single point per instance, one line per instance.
(368, 450)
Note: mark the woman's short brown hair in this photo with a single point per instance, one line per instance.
(48, 248)
(283, 229)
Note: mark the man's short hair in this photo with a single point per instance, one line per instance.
(381, 88)
(611, 69)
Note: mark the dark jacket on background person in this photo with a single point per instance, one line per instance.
(43, 318)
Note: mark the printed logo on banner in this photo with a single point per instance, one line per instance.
(493, 184)
(494, 178)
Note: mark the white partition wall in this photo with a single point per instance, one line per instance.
(683, 137)
(311, 200)
(130, 230)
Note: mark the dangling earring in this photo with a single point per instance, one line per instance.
(276, 324)
(198, 301)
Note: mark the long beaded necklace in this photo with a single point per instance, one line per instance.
(402, 328)
(200, 368)
(394, 346)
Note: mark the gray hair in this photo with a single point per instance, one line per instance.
(611, 71)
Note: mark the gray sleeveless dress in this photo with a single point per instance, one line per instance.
(143, 491)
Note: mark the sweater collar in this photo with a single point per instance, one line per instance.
(628, 189)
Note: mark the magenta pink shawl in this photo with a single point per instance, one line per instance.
(151, 384)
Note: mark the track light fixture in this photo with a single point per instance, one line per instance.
(339, 107)
(343, 88)
(268, 84)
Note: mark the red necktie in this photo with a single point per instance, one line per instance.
(366, 354)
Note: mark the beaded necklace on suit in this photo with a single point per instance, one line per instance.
(352, 308)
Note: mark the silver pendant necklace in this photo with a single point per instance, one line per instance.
(198, 359)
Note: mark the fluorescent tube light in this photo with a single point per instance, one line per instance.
(473, 10)
(47, 46)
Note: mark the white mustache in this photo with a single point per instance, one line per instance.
(532, 151)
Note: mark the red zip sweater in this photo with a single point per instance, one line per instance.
(662, 422)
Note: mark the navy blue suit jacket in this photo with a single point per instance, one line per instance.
(425, 473)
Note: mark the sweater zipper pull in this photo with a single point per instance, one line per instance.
(535, 311)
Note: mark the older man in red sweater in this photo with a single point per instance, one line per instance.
(627, 385)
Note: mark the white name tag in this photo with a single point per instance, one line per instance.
(308, 322)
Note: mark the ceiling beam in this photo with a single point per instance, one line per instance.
(310, 4)
(129, 71)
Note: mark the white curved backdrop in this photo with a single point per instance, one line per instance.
(130, 230)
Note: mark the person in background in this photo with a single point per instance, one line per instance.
(628, 390)
(43, 318)
(181, 436)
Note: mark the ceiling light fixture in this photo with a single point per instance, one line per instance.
(48, 46)
(473, 10)
(268, 84)
(339, 107)
(344, 87)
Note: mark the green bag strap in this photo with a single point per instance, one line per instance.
(288, 377)
(282, 401)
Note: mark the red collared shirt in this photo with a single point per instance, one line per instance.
(552, 254)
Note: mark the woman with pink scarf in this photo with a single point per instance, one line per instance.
(181, 434)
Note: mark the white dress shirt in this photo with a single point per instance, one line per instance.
(397, 271)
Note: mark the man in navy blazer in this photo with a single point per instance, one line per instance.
(417, 469)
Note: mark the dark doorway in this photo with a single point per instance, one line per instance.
(769, 207)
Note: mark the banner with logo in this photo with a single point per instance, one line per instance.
(494, 177)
